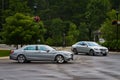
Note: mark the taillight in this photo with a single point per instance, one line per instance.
(12, 51)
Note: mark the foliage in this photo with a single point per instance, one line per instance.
(95, 15)
(21, 29)
(58, 30)
(77, 19)
(4, 53)
(112, 45)
(108, 30)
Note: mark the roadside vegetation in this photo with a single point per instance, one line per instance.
(58, 22)
(4, 53)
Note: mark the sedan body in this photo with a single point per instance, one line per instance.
(40, 53)
(89, 47)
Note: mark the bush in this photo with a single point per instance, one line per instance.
(4, 53)
(112, 45)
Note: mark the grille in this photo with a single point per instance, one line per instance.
(103, 49)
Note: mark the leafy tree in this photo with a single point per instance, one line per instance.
(61, 31)
(61, 16)
(22, 29)
(115, 4)
(96, 14)
(12, 7)
(55, 32)
(108, 30)
(72, 34)
(83, 31)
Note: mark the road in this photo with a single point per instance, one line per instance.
(82, 68)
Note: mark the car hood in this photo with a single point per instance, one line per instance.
(98, 47)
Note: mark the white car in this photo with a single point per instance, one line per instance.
(89, 47)
(40, 53)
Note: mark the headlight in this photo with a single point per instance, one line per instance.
(96, 49)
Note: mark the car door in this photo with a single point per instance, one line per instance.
(84, 47)
(31, 52)
(81, 47)
(45, 53)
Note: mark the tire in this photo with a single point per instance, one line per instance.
(60, 59)
(21, 59)
(105, 54)
(75, 51)
(91, 52)
(87, 53)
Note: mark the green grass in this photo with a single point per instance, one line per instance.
(4, 53)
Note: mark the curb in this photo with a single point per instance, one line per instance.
(114, 52)
(7, 57)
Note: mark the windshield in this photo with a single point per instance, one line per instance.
(49, 48)
(92, 44)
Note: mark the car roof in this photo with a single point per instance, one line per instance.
(36, 45)
(85, 41)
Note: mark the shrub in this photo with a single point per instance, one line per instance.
(4, 53)
(112, 45)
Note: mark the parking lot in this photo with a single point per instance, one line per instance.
(81, 68)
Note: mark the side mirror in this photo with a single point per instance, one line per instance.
(47, 51)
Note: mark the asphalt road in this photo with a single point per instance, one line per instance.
(82, 68)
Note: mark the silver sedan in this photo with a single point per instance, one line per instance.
(89, 47)
(40, 53)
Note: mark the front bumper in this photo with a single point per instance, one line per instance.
(68, 58)
(101, 52)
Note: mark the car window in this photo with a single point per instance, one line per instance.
(30, 48)
(92, 44)
(79, 43)
(45, 48)
(82, 43)
(42, 48)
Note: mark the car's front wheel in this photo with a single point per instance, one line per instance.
(60, 59)
(21, 59)
(105, 54)
(91, 52)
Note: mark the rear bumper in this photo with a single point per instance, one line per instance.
(12, 57)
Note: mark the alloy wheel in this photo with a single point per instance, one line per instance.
(21, 59)
(60, 59)
(91, 52)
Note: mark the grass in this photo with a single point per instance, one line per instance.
(4, 53)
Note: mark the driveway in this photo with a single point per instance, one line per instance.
(82, 68)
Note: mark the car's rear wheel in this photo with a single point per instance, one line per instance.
(21, 59)
(60, 59)
(75, 51)
(91, 52)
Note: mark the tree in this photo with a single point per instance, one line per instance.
(115, 4)
(108, 30)
(61, 33)
(22, 29)
(71, 34)
(96, 14)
